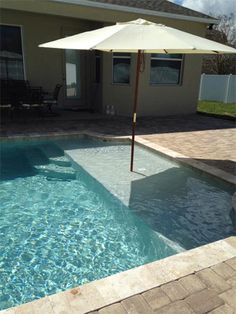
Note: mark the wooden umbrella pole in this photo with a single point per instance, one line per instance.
(135, 108)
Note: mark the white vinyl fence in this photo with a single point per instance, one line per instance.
(218, 88)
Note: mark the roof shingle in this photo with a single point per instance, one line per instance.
(156, 5)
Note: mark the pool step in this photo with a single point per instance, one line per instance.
(35, 156)
(56, 172)
(49, 161)
(60, 161)
(51, 150)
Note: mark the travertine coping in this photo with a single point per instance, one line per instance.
(112, 289)
(40, 136)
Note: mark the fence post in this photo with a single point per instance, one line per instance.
(200, 87)
(227, 89)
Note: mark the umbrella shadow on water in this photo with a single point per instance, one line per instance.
(188, 208)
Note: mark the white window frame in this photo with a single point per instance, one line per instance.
(181, 60)
(120, 57)
(22, 45)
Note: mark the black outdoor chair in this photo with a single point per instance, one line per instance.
(19, 91)
(52, 99)
(18, 95)
(5, 100)
(13, 92)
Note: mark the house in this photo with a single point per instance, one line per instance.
(93, 80)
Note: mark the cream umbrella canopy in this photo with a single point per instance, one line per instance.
(140, 36)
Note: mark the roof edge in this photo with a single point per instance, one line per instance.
(138, 10)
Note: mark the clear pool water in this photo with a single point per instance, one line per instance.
(68, 220)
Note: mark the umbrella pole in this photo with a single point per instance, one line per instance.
(135, 108)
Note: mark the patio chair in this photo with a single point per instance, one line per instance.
(4, 95)
(35, 98)
(31, 97)
(52, 99)
(20, 91)
(5, 101)
(17, 95)
(13, 92)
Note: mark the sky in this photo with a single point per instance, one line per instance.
(212, 7)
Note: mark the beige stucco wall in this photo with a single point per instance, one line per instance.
(45, 67)
(154, 99)
(181, 99)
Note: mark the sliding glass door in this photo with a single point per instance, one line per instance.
(81, 76)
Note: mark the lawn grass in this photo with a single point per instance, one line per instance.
(218, 108)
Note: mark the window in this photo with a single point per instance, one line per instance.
(121, 68)
(166, 69)
(11, 55)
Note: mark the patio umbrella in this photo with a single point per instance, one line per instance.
(140, 36)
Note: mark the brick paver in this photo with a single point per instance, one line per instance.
(224, 271)
(230, 298)
(156, 298)
(224, 309)
(175, 291)
(137, 305)
(192, 284)
(204, 301)
(212, 280)
(179, 307)
(232, 263)
(232, 282)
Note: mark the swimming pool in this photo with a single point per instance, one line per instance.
(70, 219)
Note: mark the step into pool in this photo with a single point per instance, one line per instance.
(71, 212)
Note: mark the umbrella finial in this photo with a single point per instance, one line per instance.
(139, 22)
